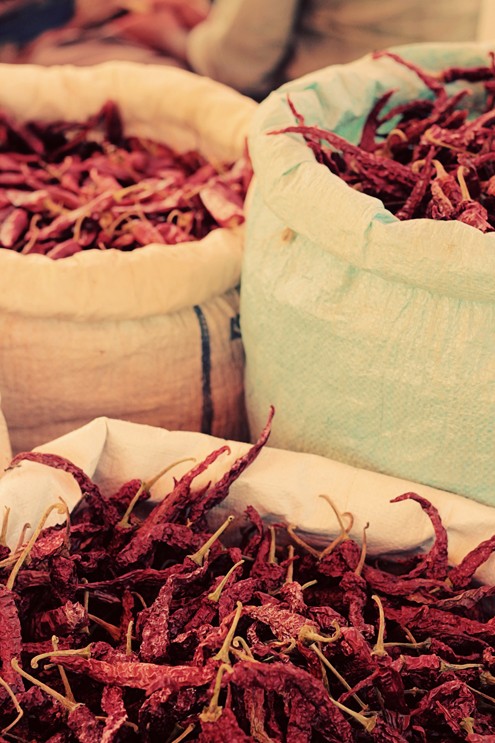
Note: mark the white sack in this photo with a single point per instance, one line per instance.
(116, 333)
(281, 485)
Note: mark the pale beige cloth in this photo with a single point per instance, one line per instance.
(255, 45)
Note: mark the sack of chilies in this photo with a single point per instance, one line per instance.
(193, 584)
(368, 290)
(120, 253)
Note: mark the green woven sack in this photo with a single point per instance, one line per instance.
(373, 338)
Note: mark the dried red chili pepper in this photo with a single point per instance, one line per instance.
(431, 81)
(450, 702)
(146, 676)
(435, 564)
(219, 491)
(84, 725)
(281, 678)
(70, 618)
(112, 704)
(169, 510)
(460, 575)
(10, 639)
(90, 492)
(154, 622)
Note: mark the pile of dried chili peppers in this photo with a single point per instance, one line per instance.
(72, 186)
(119, 628)
(431, 157)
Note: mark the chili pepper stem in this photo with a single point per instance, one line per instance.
(22, 538)
(467, 724)
(84, 652)
(462, 183)
(140, 599)
(367, 722)
(410, 635)
(85, 603)
(25, 552)
(215, 595)
(444, 666)
(286, 646)
(213, 711)
(298, 540)
(441, 172)
(128, 638)
(128, 723)
(337, 675)
(344, 530)
(362, 557)
(334, 509)
(415, 645)
(200, 555)
(184, 734)
(112, 629)
(63, 675)
(289, 578)
(487, 677)
(10, 560)
(5, 526)
(334, 543)
(379, 648)
(67, 703)
(306, 634)
(481, 694)
(241, 642)
(273, 545)
(67, 522)
(223, 653)
(17, 706)
(145, 487)
(308, 584)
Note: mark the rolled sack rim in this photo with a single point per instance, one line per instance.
(115, 285)
(190, 112)
(447, 258)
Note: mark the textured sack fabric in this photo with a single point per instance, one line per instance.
(150, 335)
(283, 486)
(374, 339)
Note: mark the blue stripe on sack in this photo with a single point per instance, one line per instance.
(207, 414)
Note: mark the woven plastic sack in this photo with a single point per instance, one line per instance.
(283, 486)
(374, 339)
(149, 335)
